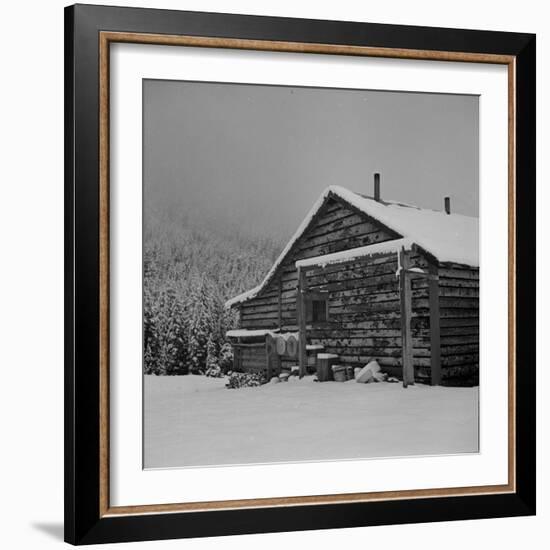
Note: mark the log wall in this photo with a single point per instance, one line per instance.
(364, 320)
(459, 306)
(364, 308)
(335, 228)
(250, 358)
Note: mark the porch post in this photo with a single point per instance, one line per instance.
(406, 314)
(301, 315)
(435, 331)
(280, 304)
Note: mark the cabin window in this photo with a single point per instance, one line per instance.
(317, 310)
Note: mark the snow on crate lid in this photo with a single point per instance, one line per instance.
(447, 237)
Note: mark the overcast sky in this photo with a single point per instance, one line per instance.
(257, 157)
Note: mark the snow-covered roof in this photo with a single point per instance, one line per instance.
(386, 247)
(447, 237)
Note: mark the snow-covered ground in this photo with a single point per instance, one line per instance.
(195, 421)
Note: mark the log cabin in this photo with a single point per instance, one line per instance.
(363, 278)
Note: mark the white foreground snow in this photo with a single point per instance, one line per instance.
(195, 421)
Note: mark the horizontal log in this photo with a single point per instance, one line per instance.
(363, 275)
(373, 352)
(459, 371)
(365, 341)
(355, 318)
(272, 301)
(326, 226)
(387, 319)
(370, 324)
(467, 348)
(358, 287)
(288, 306)
(254, 361)
(351, 333)
(447, 283)
(388, 306)
(350, 233)
(255, 351)
(259, 362)
(451, 291)
(469, 322)
(357, 265)
(460, 339)
(288, 272)
(256, 316)
(289, 299)
(290, 287)
(339, 245)
(455, 313)
(363, 299)
(328, 218)
(461, 303)
(249, 345)
(379, 342)
(471, 304)
(459, 283)
(381, 292)
(460, 332)
(458, 273)
(382, 283)
(460, 359)
(252, 309)
(382, 361)
(258, 324)
(454, 265)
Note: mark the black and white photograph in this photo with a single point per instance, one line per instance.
(310, 274)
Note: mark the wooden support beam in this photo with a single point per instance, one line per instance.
(268, 364)
(280, 303)
(301, 314)
(435, 331)
(236, 359)
(405, 294)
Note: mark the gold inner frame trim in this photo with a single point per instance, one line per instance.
(105, 39)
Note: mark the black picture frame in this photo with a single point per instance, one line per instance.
(84, 523)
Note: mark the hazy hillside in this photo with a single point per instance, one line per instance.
(189, 272)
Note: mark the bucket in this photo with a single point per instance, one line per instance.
(339, 373)
(325, 361)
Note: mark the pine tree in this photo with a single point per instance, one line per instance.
(189, 273)
(226, 357)
(211, 353)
